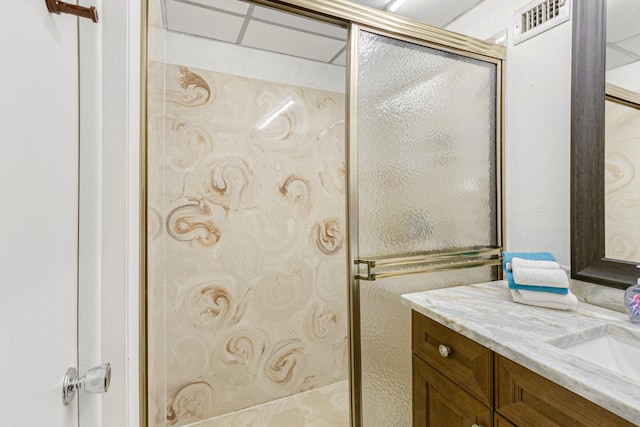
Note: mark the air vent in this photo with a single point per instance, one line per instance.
(539, 16)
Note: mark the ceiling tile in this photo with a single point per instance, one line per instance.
(623, 19)
(342, 59)
(627, 76)
(437, 13)
(291, 42)
(203, 22)
(632, 44)
(235, 6)
(300, 22)
(379, 4)
(617, 59)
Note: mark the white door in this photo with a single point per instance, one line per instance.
(38, 213)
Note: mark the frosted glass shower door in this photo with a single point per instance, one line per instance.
(424, 167)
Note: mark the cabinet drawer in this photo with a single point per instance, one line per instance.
(437, 402)
(468, 364)
(527, 399)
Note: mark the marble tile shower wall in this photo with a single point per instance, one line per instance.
(246, 242)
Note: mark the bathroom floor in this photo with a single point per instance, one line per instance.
(324, 407)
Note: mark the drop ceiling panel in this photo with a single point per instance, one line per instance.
(623, 19)
(437, 13)
(291, 42)
(341, 60)
(632, 44)
(626, 76)
(302, 23)
(203, 22)
(378, 4)
(228, 5)
(617, 59)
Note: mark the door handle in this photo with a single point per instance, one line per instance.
(96, 381)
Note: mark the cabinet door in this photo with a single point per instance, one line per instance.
(527, 399)
(499, 421)
(438, 402)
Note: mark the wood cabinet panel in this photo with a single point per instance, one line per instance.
(527, 399)
(468, 364)
(438, 402)
(457, 390)
(499, 421)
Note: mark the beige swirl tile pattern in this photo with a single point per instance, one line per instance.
(622, 182)
(247, 275)
(324, 407)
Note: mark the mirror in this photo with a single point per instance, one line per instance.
(589, 258)
(622, 131)
(622, 180)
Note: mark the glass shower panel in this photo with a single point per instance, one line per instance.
(426, 181)
(426, 148)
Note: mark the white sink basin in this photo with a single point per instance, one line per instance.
(612, 348)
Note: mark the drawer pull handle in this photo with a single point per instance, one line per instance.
(444, 351)
(476, 425)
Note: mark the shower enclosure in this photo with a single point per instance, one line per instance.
(423, 198)
(305, 160)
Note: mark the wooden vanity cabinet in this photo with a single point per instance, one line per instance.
(500, 421)
(452, 377)
(528, 399)
(455, 380)
(440, 402)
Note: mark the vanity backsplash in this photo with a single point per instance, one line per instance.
(602, 296)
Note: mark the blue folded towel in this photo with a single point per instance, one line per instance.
(533, 256)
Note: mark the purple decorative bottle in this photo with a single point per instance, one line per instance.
(632, 303)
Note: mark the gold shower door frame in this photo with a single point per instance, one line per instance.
(356, 17)
(355, 277)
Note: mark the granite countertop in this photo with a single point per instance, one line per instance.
(530, 336)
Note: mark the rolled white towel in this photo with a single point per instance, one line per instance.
(540, 277)
(527, 263)
(545, 299)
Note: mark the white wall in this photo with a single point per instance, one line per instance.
(537, 129)
(198, 52)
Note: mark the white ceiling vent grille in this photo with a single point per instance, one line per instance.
(539, 16)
